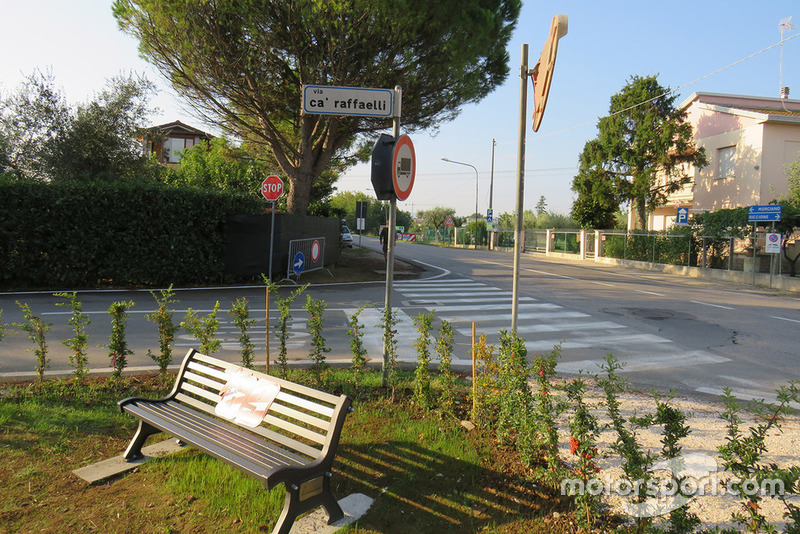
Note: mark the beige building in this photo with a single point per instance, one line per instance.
(748, 140)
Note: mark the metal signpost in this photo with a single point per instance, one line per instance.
(766, 213)
(271, 189)
(542, 76)
(361, 218)
(368, 102)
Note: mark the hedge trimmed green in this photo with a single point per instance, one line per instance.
(89, 234)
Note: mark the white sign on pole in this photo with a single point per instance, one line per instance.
(332, 100)
(773, 243)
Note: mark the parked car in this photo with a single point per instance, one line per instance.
(347, 237)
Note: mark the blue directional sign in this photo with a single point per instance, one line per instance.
(298, 262)
(489, 215)
(682, 218)
(770, 212)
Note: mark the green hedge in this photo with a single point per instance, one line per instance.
(83, 235)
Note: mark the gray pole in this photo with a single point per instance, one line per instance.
(476, 193)
(523, 103)
(271, 239)
(490, 234)
(491, 176)
(390, 236)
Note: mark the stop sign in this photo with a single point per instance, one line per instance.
(272, 188)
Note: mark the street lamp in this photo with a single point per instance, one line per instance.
(476, 193)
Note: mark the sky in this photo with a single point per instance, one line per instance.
(693, 46)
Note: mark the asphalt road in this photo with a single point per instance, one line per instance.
(694, 336)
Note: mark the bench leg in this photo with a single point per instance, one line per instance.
(293, 506)
(134, 450)
(330, 503)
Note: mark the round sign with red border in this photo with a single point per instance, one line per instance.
(272, 188)
(314, 251)
(404, 167)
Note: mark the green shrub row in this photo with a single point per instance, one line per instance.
(88, 234)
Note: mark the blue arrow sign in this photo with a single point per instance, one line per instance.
(770, 212)
(298, 262)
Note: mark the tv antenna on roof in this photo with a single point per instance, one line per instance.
(784, 25)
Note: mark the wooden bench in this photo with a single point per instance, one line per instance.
(229, 413)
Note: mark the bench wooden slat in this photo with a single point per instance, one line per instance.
(210, 396)
(271, 435)
(305, 404)
(211, 427)
(303, 390)
(283, 396)
(204, 380)
(294, 429)
(220, 444)
(298, 430)
(300, 416)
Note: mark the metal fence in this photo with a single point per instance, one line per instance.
(306, 255)
(709, 252)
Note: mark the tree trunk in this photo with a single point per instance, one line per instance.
(641, 213)
(299, 192)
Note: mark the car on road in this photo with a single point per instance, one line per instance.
(347, 237)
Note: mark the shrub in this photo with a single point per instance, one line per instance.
(240, 311)
(422, 375)
(204, 329)
(118, 344)
(59, 234)
(36, 330)
(162, 318)
(357, 345)
(79, 342)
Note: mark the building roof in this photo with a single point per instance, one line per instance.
(179, 128)
(772, 109)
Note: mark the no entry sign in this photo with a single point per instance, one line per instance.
(404, 167)
(272, 188)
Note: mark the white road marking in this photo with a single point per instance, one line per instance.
(645, 363)
(712, 305)
(785, 319)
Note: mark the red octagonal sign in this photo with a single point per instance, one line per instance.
(272, 188)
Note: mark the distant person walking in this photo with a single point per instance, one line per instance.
(384, 237)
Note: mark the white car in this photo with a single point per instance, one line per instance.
(347, 237)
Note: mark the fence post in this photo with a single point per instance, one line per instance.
(730, 254)
(547, 242)
(655, 242)
(705, 252)
(583, 244)
(598, 245)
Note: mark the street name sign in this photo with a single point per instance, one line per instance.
(770, 212)
(360, 101)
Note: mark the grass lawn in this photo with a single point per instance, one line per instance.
(425, 472)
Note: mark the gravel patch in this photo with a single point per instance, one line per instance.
(701, 446)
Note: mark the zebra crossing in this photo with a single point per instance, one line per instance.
(544, 325)
(584, 339)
